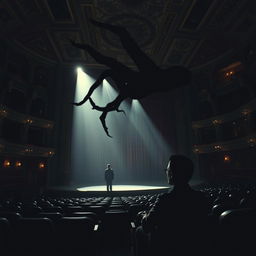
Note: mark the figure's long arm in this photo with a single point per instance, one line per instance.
(93, 87)
(112, 106)
(100, 58)
(143, 62)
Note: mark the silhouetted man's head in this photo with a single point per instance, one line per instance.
(108, 166)
(179, 170)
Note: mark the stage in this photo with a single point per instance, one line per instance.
(117, 190)
(122, 188)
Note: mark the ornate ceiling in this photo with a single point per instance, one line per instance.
(187, 32)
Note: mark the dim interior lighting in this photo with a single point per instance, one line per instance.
(18, 164)
(51, 153)
(7, 163)
(49, 126)
(229, 73)
(3, 112)
(217, 147)
(216, 122)
(41, 165)
(246, 112)
(195, 126)
(227, 158)
(196, 150)
(29, 121)
(252, 142)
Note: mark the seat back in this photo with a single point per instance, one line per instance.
(75, 234)
(4, 234)
(236, 229)
(116, 228)
(33, 234)
(12, 217)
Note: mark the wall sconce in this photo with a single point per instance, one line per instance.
(196, 150)
(18, 164)
(29, 121)
(246, 112)
(49, 126)
(216, 122)
(3, 112)
(230, 73)
(7, 163)
(28, 150)
(217, 147)
(41, 165)
(51, 153)
(227, 158)
(252, 142)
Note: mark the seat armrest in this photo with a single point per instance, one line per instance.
(133, 226)
(96, 227)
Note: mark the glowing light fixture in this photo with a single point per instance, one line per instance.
(29, 121)
(18, 164)
(7, 163)
(41, 165)
(196, 149)
(252, 142)
(3, 113)
(227, 158)
(216, 122)
(246, 112)
(217, 147)
(51, 153)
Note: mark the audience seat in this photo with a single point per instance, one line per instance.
(4, 235)
(54, 216)
(31, 235)
(237, 227)
(116, 229)
(76, 234)
(12, 217)
(90, 215)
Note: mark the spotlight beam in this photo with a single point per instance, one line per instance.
(96, 84)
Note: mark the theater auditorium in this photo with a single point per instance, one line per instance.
(127, 128)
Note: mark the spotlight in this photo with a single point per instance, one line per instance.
(79, 69)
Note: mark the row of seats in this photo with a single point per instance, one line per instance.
(77, 224)
(43, 235)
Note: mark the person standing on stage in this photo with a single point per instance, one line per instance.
(109, 176)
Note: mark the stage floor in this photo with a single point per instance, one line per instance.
(100, 190)
(122, 188)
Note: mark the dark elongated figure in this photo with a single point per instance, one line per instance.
(148, 79)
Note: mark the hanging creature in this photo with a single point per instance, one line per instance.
(149, 78)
